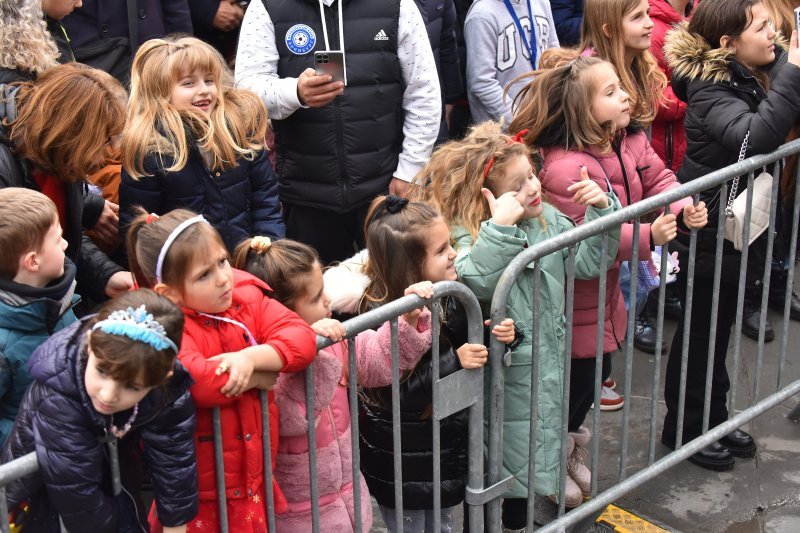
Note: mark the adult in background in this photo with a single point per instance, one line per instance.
(56, 156)
(26, 47)
(217, 22)
(338, 147)
(568, 15)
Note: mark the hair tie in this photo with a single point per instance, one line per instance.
(395, 204)
(151, 217)
(517, 138)
(260, 244)
(139, 325)
(162, 255)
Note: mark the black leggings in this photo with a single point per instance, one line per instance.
(581, 388)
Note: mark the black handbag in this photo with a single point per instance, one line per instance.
(114, 55)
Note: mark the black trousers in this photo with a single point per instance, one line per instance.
(699, 336)
(335, 236)
(581, 388)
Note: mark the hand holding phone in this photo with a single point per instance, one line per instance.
(314, 90)
(331, 62)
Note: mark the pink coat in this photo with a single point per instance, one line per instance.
(332, 413)
(635, 172)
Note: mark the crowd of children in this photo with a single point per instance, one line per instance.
(211, 307)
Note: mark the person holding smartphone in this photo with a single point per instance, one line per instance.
(339, 147)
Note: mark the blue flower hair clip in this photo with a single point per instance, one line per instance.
(139, 325)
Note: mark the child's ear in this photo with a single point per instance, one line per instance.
(607, 31)
(168, 292)
(726, 41)
(29, 262)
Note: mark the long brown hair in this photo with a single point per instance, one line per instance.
(642, 80)
(395, 232)
(454, 176)
(236, 128)
(66, 118)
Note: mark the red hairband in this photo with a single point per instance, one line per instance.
(151, 217)
(515, 139)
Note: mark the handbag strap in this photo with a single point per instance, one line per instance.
(735, 183)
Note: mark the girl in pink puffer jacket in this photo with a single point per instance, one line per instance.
(294, 273)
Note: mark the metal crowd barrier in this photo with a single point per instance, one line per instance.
(603, 225)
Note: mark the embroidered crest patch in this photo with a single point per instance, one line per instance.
(300, 39)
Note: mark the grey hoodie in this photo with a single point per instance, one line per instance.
(496, 55)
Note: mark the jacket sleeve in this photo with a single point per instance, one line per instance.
(71, 465)
(203, 12)
(588, 261)
(449, 61)
(657, 178)
(482, 80)
(373, 350)
(93, 206)
(6, 386)
(176, 16)
(207, 384)
(94, 269)
(265, 207)
(568, 17)
(291, 337)
(727, 118)
(562, 173)
(170, 455)
(481, 264)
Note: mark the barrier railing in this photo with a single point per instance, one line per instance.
(602, 226)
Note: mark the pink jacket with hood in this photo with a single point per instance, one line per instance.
(635, 172)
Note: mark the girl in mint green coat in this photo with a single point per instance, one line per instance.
(485, 186)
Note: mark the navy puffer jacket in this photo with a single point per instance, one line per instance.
(239, 203)
(57, 421)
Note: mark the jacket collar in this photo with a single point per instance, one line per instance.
(31, 304)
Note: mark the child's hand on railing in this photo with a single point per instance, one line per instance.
(695, 216)
(587, 192)
(423, 289)
(473, 355)
(328, 327)
(239, 367)
(664, 229)
(506, 210)
(504, 331)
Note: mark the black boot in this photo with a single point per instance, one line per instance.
(673, 310)
(751, 316)
(777, 300)
(644, 335)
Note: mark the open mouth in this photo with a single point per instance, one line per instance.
(202, 104)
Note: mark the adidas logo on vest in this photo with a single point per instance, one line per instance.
(381, 36)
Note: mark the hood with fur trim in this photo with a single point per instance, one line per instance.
(692, 58)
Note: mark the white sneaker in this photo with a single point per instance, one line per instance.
(610, 400)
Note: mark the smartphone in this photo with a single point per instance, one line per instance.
(797, 21)
(331, 62)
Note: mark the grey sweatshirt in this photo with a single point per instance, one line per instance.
(496, 55)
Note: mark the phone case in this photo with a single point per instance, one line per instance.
(331, 63)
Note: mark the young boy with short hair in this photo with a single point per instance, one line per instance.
(37, 290)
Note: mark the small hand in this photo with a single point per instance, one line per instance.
(264, 379)
(423, 289)
(587, 192)
(506, 210)
(239, 367)
(106, 229)
(664, 229)
(472, 355)
(400, 187)
(695, 216)
(794, 51)
(328, 327)
(119, 283)
(504, 331)
(317, 90)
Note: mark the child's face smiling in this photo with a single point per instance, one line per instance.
(439, 254)
(108, 395)
(520, 179)
(195, 89)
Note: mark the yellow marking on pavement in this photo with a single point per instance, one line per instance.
(623, 521)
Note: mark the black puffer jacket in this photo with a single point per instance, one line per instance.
(724, 102)
(416, 396)
(240, 203)
(57, 421)
(94, 268)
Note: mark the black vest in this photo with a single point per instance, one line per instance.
(339, 157)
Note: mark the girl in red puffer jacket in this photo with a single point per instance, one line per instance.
(235, 340)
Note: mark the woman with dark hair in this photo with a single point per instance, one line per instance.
(52, 135)
(738, 83)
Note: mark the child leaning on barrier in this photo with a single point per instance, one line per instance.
(408, 242)
(580, 117)
(487, 191)
(37, 290)
(294, 273)
(109, 378)
(235, 340)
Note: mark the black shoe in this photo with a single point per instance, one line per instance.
(751, 315)
(739, 443)
(644, 335)
(776, 302)
(715, 456)
(673, 309)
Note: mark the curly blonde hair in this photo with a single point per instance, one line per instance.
(453, 178)
(25, 43)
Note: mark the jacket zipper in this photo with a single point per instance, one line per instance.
(624, 172)
(338, 118)
(669, 148)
